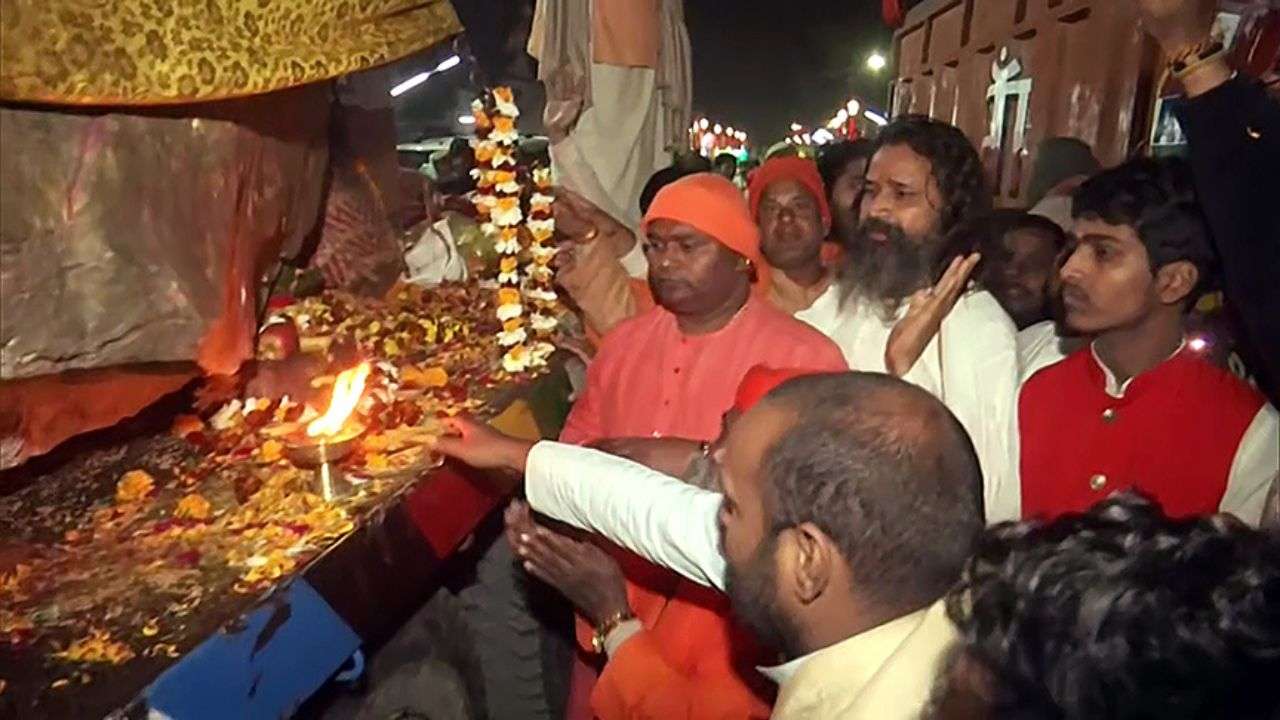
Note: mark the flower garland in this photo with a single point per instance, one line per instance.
(504, 205)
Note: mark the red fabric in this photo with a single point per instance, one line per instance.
(693, 664)
(714, 206)
(801, 170)
(891, 11)
(1174, 435)
(760, 381)
(649, 379)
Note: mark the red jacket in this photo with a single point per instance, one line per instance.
(1173, 435)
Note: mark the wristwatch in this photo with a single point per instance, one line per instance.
(607, 626)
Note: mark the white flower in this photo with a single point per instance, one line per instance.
(488, 202)
(507, 218)
(516, 360)
(540, 352)
(542, 323)
(506, 108)
(541, 295)
(544, 252)
(510, 278)
(542, 176)
(538, 272)
(510, 312)
(542, 226)
(225, 417)
(507, 247)
(489, 229)
(514, 337)
(542, 198)
(508, 137)
(510, 187)
(477, 105)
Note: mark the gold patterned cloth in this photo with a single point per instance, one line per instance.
(146, 52)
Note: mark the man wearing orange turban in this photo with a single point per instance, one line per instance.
(789, 202)
(671, 372)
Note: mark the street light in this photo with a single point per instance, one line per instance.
(876, 62)
(795, 127)
(466, 119)
(450, 62)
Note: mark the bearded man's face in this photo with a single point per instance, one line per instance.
(894, 250)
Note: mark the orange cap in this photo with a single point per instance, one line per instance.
(760, 381)
(802, 170)
(715, 207)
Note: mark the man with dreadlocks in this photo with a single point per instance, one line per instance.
(924, 182)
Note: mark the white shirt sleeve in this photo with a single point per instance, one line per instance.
(1255, 468)
(656, 516)
(980, 374)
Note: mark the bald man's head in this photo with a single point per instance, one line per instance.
(887, 472)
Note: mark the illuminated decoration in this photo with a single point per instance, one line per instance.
(710, 138)
(876, 118)
(796, 127)
(448, 63)
(1005, 142)
(521, 225)
(876, 62)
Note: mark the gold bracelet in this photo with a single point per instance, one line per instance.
(607, 626)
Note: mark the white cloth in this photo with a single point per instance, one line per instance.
(434, 258)
(883, 673)
(1040, 346)
(635, 262)
(824, 314)
(1257, 461)
(617, 143)
(656, 516)
(971, 366)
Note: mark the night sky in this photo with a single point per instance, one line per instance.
(760, 65)
(757, 64)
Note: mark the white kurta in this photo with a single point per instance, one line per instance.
(971, 366)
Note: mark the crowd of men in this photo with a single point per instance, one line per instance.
(861, 447)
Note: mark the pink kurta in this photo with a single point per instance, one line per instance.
(650, 379)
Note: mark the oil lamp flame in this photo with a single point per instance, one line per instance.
(347, 389)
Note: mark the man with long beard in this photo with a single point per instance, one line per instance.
(924, 181)
(850, 504)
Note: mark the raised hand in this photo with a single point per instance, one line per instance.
(925, 313)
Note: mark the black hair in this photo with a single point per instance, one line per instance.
(1156, 197)
(955, 163)
(835, 158)
(885, 470)
(986, 233)
(659, 180)
(724, 157)
(1121, 612)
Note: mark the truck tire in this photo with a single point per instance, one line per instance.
(522, 633)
